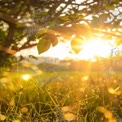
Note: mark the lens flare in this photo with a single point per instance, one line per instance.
(26, 77)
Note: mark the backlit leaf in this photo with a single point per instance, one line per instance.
(54, 42)
(41, 33)
(82, 29)
(76, 44)
(43, 45)
(52, 38)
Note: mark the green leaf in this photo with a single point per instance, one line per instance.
(64, 18)
(52, 24)
(109, 7)
(41, 32)
(43, 45)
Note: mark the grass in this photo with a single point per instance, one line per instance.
(61, 97)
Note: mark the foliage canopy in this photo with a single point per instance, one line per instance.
(52, 19)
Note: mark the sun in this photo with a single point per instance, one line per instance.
(95, 48)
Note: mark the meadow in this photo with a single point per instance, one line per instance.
(65, 96)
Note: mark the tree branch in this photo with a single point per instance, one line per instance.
(8, 19)
(108, 33)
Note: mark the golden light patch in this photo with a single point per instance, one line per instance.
(16, 121)
(4, 80)
(69, 116)
(86, 77)
(12, 102)
(108, 114)
(24, 110)
(65, 109)
(26, 77)
(114, 91)
(2, 117)
(81, 89)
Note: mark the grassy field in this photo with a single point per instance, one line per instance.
(61, 97)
